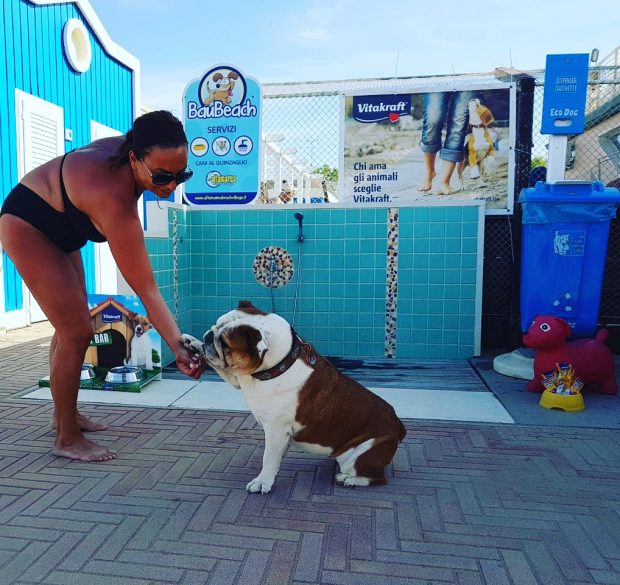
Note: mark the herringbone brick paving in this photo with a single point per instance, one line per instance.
(467, 504)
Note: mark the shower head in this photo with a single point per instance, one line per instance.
(300, 217)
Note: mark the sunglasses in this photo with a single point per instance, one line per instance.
(166, 177)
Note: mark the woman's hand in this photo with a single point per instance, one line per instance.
(190, 364)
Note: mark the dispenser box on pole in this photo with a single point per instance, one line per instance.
(564, 100)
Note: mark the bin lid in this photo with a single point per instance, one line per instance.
(570, 192)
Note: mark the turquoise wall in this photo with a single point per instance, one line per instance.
(344, 275)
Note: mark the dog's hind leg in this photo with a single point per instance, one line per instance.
(347, 462)
(368, 466)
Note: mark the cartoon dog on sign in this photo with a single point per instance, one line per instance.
(222, 89)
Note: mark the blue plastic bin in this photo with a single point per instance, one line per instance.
(565, 231)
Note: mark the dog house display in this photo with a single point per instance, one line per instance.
(121, 335)
(125, 351)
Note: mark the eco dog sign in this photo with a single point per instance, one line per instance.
(221, 113)
(564, 100)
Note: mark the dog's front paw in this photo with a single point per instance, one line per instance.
(259, 484)
(192, 344)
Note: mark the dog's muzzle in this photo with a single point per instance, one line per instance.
(212, 348)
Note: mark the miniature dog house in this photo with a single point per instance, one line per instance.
(115, 327)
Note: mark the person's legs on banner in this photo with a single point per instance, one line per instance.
(433, 119)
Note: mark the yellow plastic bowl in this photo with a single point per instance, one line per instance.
(566, 402)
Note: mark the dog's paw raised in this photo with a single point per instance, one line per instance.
(191, 343)
(351, 480)
(258, 484)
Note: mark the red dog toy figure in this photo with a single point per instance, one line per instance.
(591, 359)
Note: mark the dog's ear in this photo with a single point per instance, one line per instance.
(486, 117)
(249, 308)
(218, 77)
(233, 75)
(255, 340)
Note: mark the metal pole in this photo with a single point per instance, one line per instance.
(557, 158)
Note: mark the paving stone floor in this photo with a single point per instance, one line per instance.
(466, 504)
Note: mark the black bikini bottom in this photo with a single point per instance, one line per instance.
(26, 204)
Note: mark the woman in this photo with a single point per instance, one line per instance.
(91, 193)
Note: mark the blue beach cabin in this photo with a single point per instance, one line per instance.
(63, 83)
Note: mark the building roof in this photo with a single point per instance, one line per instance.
(388, 84)
(110, 302)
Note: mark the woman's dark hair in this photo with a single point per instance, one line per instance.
(161, 122)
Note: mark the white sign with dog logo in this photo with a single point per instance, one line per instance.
(221, 113)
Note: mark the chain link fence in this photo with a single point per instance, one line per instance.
(301, 163)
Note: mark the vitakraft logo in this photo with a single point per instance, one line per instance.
(374, 108)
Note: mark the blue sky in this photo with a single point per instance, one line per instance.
(310, 40)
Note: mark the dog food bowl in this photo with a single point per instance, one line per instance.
(124, 375)
(566, 402)
(88, 372)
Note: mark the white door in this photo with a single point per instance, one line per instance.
(40, 137)
(106, 271)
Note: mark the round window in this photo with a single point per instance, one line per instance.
(77, 45)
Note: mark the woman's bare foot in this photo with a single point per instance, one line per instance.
(85, 424)
(427, 184)
(445, 189)
(83, 450)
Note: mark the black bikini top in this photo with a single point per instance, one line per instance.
(82, 223)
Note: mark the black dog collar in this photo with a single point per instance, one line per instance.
(299, 347)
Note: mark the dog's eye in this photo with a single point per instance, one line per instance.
(545, 327)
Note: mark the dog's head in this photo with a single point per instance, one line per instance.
(222, 86)
(561, 243)
(546, 332)
(225, 83)
(140, 324)
(479, 114)
(246, 340)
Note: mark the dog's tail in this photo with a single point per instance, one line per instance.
(602, 335)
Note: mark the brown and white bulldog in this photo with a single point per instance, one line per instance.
(295, 393)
